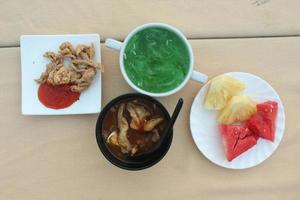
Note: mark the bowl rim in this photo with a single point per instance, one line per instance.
(113, 159)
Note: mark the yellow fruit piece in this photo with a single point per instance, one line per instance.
(220, 91)
(238, 109)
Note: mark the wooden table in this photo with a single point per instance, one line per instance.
(56, 157)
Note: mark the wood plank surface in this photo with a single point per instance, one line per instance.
(116, 18)
(56, 157)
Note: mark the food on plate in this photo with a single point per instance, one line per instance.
(239, 138)
(242, 120)
(221, 90)
(263, 122)
(80, 71)
(236, 139)
(238, 109)
(75, 76)
(132, 126)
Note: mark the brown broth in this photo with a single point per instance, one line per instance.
(141, 138)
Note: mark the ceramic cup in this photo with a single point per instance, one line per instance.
(121, 46)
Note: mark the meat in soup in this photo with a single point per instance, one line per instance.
(132, 126)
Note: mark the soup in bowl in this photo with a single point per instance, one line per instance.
(133, 124)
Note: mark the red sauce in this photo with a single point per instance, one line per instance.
(57, 97)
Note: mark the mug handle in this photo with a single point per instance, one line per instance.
(113, 44)
(200, 77)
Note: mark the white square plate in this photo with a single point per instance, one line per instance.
(33, 64)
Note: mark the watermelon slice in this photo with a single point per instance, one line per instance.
(237, 139)
(263, 122)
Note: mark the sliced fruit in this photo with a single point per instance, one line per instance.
(237, 139)
(268, 110)
(259, 127)
(220, 91)
(263, 122)
(238, 109)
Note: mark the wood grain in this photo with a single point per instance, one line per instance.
(56, 157)
(116, 18)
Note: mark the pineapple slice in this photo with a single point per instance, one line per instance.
(238, 109)
(220, 91)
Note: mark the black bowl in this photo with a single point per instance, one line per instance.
(132, 164)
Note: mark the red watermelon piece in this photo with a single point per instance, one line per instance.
(237, 139)
(263, 122)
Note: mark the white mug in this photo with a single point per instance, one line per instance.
(194, 75)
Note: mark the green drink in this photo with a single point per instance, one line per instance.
(156, 59)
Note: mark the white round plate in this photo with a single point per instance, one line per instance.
(204, 125)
